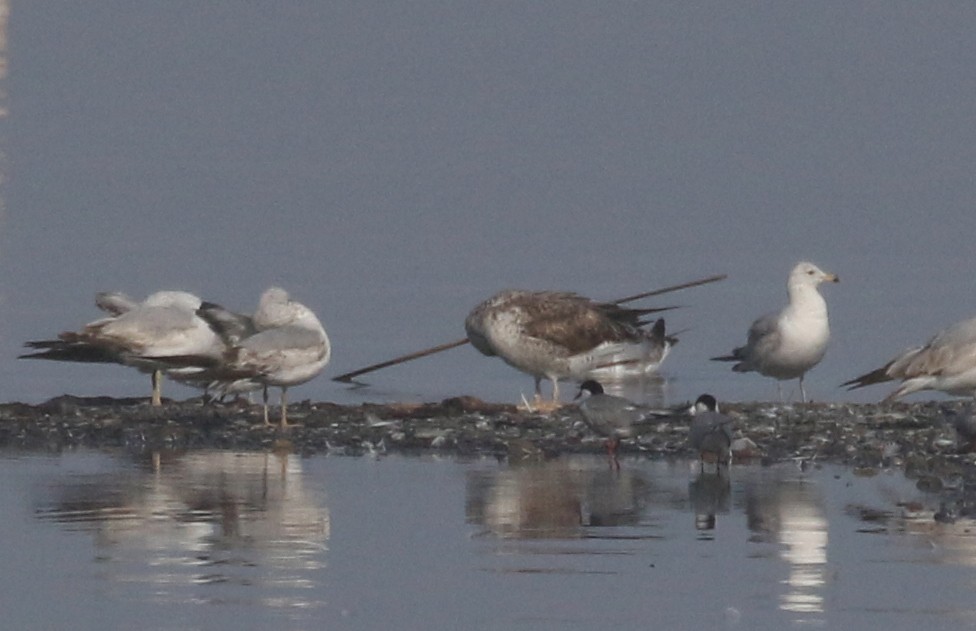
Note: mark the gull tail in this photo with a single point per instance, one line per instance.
(867, 379)
(229, 326)
(58, 350)
(734, 356)
(185, 361)
(658, 333)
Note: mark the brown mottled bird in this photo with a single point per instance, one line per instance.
(559, 335)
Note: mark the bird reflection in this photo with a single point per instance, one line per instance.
(709, 494)
(559, 499)
(790, 512)
(204, 517)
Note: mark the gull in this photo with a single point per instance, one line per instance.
(711, 431)
(232, 328)
(560, 335)
(137, 334)
(787, 344)
(614, 417)
(947, 363)
(288, 347)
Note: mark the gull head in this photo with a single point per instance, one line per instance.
(172, 298)
(810, 275)
(274, 295)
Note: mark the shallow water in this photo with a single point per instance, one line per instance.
(244, 540)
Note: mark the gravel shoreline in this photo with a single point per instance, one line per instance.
(858, 435)
(912, 437)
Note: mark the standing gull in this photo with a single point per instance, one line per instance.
(560, 335)
(614, 417)
(787, 344)
(137, 334)
(947, 362)
(289, 347)
(711, 432)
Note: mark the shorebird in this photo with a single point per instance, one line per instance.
(787, 344)
(711, 432)
(288, 347)
(947, 363)
(137, 335)
(614, 417)
(561, 335)
(964, 423)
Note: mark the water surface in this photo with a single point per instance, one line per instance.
(245, 540)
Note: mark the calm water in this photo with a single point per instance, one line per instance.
(232, 541)
(392, 167)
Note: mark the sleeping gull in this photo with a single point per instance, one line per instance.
(947, 362)
(787, 344)
(137, 334)
(711, 432)
(288, 347)
(561, 335)
(614, 417)
(231, 327)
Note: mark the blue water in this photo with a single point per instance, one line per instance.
(232, 540)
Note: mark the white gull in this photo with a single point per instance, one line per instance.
(947, 363)
(785, 345)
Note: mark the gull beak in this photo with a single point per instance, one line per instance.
(833, 278)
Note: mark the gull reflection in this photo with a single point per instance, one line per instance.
(790, 512)
(202, 518)
(560, 499)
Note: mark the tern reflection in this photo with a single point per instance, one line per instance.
(563, 498)
(710, 495)
(205, 516)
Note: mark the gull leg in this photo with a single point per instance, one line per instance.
(157, 388)
(803, 393)
(284, 407)
(264, 397)
(538, 391)
(612, 444)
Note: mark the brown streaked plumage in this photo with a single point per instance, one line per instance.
(562, 335)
